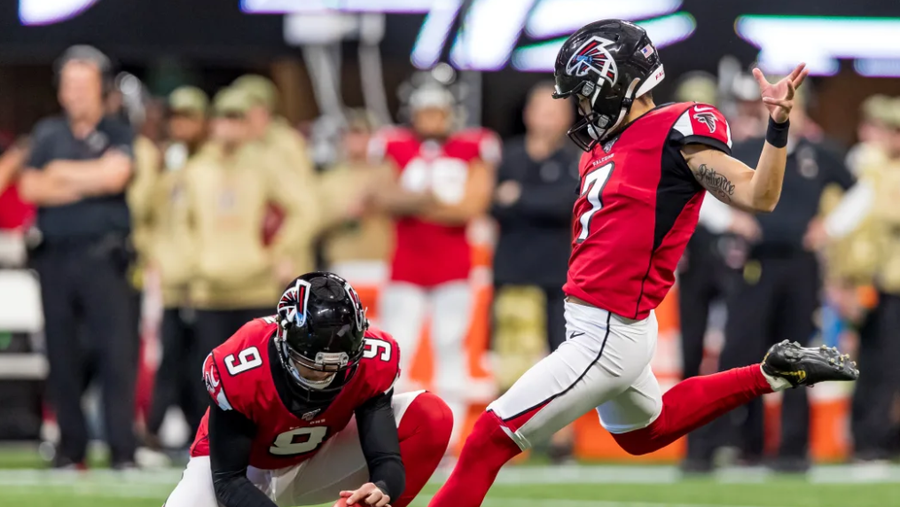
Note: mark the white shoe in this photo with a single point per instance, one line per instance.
(147, 458)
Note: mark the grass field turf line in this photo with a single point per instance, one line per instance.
(30, 489)
(685, 494)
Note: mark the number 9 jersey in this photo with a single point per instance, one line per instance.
(241, 375)
(638, 207)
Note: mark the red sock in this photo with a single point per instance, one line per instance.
(424, 433)
(693, 403)
(484, 453)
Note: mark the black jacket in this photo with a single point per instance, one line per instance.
(92, 217)
(811, 167)
(536, 231)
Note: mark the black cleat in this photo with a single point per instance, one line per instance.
(802, 366)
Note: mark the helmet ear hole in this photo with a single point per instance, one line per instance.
(284, 324)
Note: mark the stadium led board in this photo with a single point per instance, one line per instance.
(540, 27)
(46, 12)
(874, 43)
(664, 31)
(526, 34)
(488, 37)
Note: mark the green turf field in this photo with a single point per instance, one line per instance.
(517, 487)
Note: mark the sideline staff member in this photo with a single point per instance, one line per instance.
(79, 166)
(533, 207)
(271, 129)
(236, 276)
(171, 258)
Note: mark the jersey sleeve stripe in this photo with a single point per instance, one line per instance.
(223, 402)
(728, 134)
(683, 125)
(708, 141)
(685, 128)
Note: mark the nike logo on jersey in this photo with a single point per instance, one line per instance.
(575, 335)
(702, 109)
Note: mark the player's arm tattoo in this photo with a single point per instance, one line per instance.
(715, 182)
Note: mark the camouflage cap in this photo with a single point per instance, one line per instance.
(878, 108)
(359, 119)
(261, 89)
(697, 87)
(189, 99)
(892, 110)
(232, 100)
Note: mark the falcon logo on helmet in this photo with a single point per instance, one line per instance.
(293, 303)
(593, 57)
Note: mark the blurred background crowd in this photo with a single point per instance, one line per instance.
(158, 194)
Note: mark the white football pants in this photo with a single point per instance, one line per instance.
(339, 465)
(402, 311)
(603, 364)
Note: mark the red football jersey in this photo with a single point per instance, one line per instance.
(14, 212)
(238, 376)
(428, 253)
(638, 208)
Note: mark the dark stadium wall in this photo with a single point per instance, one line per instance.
(836, 100)
(214, 41)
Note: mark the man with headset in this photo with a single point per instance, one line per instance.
(77, 172)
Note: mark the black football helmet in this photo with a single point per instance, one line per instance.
(321, 324)
(605, 66)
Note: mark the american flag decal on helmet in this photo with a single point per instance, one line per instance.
(593, 57)
(292, 306)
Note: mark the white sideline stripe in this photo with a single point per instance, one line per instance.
(23, 366)
(856, 474)
(152, 484)
(122, 491)
(594, 474)
(574, 474)
(97, 477)
(130, 491)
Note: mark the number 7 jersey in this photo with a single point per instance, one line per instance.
(638, 206)
(242, 375)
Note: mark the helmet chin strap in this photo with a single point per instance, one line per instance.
(627, 101)
(598, 133)
(316, 385)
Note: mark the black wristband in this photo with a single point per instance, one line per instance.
(777, 133)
